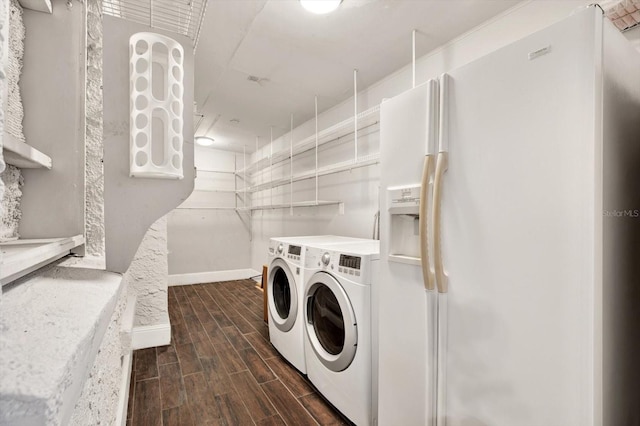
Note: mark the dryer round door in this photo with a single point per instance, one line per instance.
(330, 322)
(283, 295)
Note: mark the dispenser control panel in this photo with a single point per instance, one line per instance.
(404, 215)
(404, 200)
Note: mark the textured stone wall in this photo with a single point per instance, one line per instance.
(10, 215)
(10, 193)
(147, 276)
(94, 172)
(4, 46)
(15, 113)
(98, 402)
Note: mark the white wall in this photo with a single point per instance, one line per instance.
(133, 204)
(206, 233)
(147, 277)
(359, 189)
(54, 122)
(633, 36)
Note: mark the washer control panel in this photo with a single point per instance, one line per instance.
(352, 262)
(294, 252)
(349, 265)
(337, 263)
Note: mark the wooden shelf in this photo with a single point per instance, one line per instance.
(20, 257)
(22, 155)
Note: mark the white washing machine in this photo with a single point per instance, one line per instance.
(284, 298)
(285, 291)
(338, 330)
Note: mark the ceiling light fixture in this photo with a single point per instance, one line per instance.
(204, 141)
(320, 7)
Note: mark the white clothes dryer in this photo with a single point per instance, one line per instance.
(285, 291)
(284, 299)
(338, 331)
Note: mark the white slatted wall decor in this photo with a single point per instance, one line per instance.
(178, 16)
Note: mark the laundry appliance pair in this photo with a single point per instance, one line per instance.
(319, 298)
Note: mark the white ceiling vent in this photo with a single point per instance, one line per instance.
(625, 14)
(183, 17)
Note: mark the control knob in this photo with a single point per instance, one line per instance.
(280, 248)
(326, 258)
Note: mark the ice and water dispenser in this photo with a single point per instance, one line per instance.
(404, 209)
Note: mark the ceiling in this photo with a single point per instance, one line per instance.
(259, 61)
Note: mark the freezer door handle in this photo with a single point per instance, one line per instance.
(441, 167)
(427, 273)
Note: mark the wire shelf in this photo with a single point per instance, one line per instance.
(364, 161)
(344, 128)
(183, 17)
(295, 204)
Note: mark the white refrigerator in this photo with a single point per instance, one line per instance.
(509, 290)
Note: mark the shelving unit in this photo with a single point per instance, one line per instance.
(340, 130)
(215, 171)
(366, 120)
(294, 205)
(23, 155)
(199, 173)
(229, 191)
(221, 190)
(323, 171)
(206, 208)
(20, 257)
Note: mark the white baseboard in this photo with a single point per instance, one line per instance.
(127, 365)
(149, 336)
(128, 317)
(211, 277)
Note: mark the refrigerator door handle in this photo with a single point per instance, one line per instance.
(442, 164)
(441, 276)
(442, 284)
(427, 273)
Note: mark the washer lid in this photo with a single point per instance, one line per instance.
(282, 295)
(330, 322)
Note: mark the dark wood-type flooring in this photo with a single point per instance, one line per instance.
(220, 368)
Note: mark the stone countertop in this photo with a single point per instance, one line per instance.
(51, 325)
